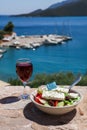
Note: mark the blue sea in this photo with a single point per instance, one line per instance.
(68, 57)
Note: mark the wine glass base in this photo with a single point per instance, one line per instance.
(24, 96)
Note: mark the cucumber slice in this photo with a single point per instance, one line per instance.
(60, 104)
(47, 105)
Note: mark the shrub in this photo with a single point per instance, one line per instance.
(1, 34)
(8, 29)
(60, 78)
(14, 81)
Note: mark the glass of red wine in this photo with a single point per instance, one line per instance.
(24, 69)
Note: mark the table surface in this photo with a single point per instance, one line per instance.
(23, 115)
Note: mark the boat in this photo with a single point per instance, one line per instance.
(53, 39)
(17, 47)
(1, 55)
(27, 46)
(34, 45)
(2, 50)
(50, 41)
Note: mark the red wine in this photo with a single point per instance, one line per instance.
(24, 70)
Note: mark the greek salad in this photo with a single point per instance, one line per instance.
(56, 97)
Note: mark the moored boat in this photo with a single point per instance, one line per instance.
(1, 55)
(2, 50)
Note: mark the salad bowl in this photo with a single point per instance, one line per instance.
(56, 110)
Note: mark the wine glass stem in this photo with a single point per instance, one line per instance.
(24, 84)
(24, 95)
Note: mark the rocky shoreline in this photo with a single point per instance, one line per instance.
(34, 41)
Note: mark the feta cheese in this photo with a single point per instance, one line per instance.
(73, 95)
(54, 95)
(60, 89)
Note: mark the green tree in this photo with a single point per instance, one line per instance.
(1, 36)
(9, 27)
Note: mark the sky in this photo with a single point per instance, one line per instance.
(8, 7)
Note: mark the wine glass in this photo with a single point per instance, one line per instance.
(24, 69)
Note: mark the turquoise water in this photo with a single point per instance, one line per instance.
(71, 56)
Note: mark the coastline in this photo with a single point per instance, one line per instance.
(34, 41)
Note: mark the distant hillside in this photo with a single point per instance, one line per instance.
(65, 8)
(34, 13)
(62, 3)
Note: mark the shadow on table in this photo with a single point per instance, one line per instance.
(9, 99)
(34, 114)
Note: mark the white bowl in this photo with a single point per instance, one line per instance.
(55, 110)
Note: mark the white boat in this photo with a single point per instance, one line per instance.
(17, 47)
(53, 40)
(1, 55)
(27, 46)
(2, 50)
(35, 45)
(50, 41)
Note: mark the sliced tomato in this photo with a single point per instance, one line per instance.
(37, 99)
(39, 95)
(55, 102)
